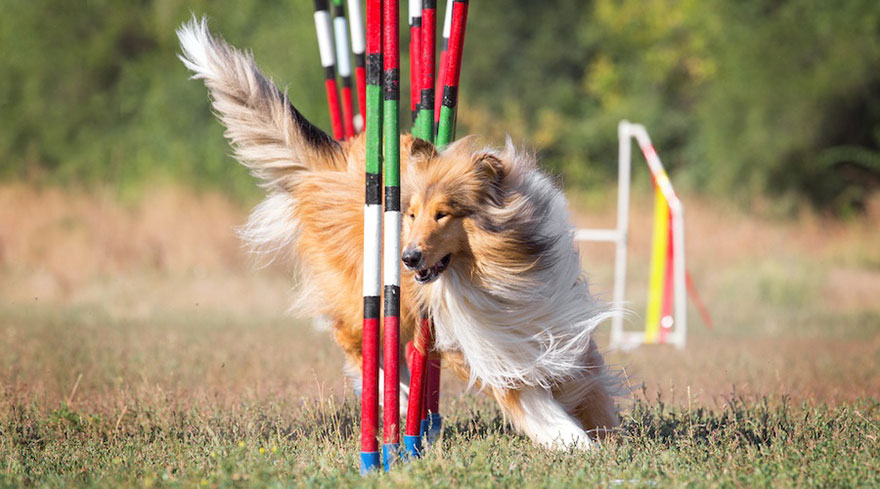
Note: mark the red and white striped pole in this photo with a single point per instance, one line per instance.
(370, 458)
(441, 74)
(324, 29)
(415, 50)
(356, 16)
(446, 129)
(343, 61)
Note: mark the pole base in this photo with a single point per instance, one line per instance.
(390, 454)
(413, 445)
(435, 427)
(370, 461)
(423, 427)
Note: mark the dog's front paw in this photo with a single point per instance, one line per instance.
(575, 438)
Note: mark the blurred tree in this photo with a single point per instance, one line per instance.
(93, 91)
(743, 98)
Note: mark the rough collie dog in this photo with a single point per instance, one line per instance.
(487, 247)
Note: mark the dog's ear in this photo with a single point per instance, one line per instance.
(269, 135)
(421, 152)
(489, 169)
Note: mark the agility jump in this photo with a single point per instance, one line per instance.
(669, 282)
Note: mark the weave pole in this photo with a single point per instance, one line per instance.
(390, 356)
(343, 60)
(446, 128)
(356, 14)
(425, 119)
(372, 238)
(324, 30)
(412, 438)
(425, 130)
(441, 74)
(415, 50)
(434, 423)
(417, 414)
(432, 370)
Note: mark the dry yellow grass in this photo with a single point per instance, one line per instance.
(171, 249)
(139, 347)
(159, 298)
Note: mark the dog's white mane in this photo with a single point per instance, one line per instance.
(517, 330)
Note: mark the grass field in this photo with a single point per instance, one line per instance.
(141, 349)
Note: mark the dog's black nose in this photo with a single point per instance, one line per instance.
(412, 257)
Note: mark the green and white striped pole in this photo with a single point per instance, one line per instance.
(391, 333)
(370, 458)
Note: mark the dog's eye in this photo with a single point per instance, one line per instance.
(412, 216)
(439, 216)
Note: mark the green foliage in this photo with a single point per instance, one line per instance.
(99, 95)
(742, 98)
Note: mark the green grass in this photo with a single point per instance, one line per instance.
(139, 349)
(278, 444)
(201, 399)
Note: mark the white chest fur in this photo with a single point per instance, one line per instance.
(517, 335)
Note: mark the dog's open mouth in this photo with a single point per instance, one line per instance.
(431, 273)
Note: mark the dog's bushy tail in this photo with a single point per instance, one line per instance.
(269, 135)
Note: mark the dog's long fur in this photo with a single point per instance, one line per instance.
(512, 312)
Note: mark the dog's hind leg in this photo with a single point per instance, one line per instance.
(590, 396)
(535, 412)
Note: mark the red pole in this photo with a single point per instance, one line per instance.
(324, 29)
(412, 437)
(446, 127)
(360, 75)
(425, 119)
(347, 111)
(334, 106)
(356, 14)
(441, 74)
(429, 372)
(432, 397)
(343, 63)
(415, 50)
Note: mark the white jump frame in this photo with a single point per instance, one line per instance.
(621, 339)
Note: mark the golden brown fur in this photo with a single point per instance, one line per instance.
(488, 210)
